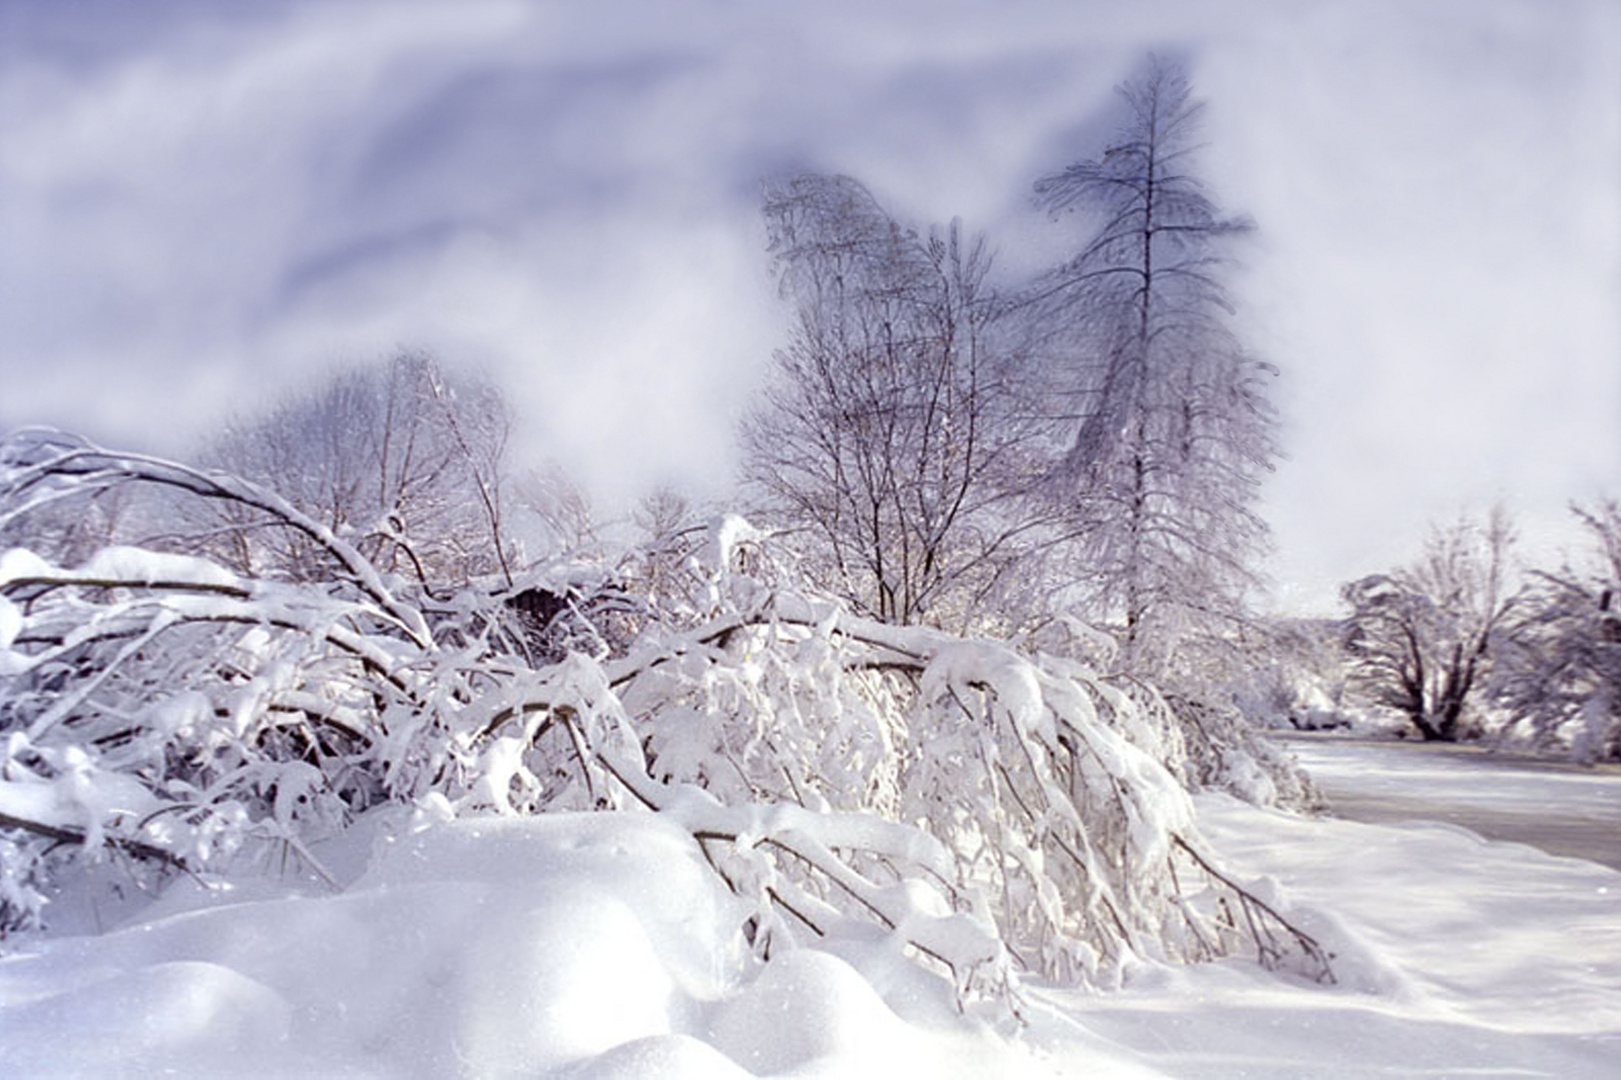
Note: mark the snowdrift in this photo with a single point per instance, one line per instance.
(601, 945)
(569, 944)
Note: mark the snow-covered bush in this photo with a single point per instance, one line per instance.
(1295, 677)
(994, 812)
(1228, 752)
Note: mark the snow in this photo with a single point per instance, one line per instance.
(603, 946)
(134, 565)
(727, 533)
(80, 796)
(1489, 959)
(19, 564)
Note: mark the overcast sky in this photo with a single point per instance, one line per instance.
(204, 206)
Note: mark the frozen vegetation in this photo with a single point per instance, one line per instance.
(1001, 812)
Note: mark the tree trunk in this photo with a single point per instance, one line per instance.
(1427, 729)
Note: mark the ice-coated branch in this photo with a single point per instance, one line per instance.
(32, 460)
(964, 945)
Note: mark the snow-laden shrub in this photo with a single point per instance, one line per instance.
(993, 812)
(1227, 752)
(1207, 721)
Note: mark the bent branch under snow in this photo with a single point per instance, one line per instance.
(992, 811)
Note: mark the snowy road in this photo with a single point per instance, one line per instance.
(1562, 809)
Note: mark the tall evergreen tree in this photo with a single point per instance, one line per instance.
(1173, 429)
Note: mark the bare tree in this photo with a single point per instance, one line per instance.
(1172, 427)
(1422, 638)
(1561, 670)
(891, 435)
(557, 512)
(403, 458)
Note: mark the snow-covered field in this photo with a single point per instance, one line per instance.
(602, 946)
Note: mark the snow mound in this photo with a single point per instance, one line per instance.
(600, 947)
(806, 1005)
(483, 948)
(659, 1057)
(571, 945)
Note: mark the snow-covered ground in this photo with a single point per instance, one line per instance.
(602, 946)
(1488, 959)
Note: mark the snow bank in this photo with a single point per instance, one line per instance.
(602, 947)
(473, 948)
(594, 945)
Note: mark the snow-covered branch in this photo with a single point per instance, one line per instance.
(992, 810)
